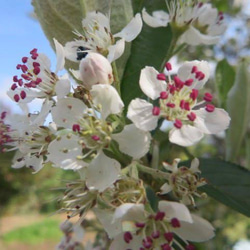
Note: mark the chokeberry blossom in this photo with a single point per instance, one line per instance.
(88, 131)
(98, 38)
(148, 230)
(37, 80)
(196, 23)
(184, 181)
(177, 102)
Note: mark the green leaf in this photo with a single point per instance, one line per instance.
(228, 183)
(152, 198)
(238, 106)
(149, 48)
(225, 76)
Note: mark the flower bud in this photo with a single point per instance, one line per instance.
(95, 69)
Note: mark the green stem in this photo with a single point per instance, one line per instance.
(170, 52)
(116, 78)
(83, 8)
(155, 155)
(153, 172)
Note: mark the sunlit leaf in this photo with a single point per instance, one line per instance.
(238, 106)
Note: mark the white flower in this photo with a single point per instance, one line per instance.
(97, 37)
(142, 229)
(28, 135)
(183, 181)
(177, 100)
(37, 80)
(199, 24)
(86, 132)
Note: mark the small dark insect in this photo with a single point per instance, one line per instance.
(81, 53)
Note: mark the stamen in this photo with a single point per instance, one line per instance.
(191, 116)
(168, 66)
(127, 237)
(170, 105)
(76, 127)
(159, 216)
(166, 247)
(178, 123)
(23, 94)
(156, 234)
(16, 98)
(163, 95)
(194, 94)
(194, 69)
(147, 243)
(156, 111)
(189, 82)
(95, 137)
(140, 224)
(208, 97)
(15, 79)
(175, 223)
(161, 77)
(178, 82)
(169, 236)
(210, 108)
(24, 59)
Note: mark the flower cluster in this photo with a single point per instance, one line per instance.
(82, 126)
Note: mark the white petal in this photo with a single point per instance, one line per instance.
(30, 94)
(198, 231)
(35, 163)
(150, 85)
(133, 141)
(175, 210)
(186, 136)
(195, 165)
(59, 56)
(140, 113)
(63, 152)
(184, 72)
(62, 87)
(130, 212)
(158, 19)
(102, 172)
(78, 232)
(116, 50)
(132, 30)
(95, 69)
(97, 17)
(68, 111)
(194, 37)
(166, 188)
(106, 218)
(212, 122)
(76, 74)
(108, 97)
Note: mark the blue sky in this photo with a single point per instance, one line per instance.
(19, 34)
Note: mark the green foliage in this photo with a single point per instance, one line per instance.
(35, 233)
(225, 76)
(149, 48)
(228, 183)
(238, 106)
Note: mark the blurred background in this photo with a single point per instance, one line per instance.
(27, 202)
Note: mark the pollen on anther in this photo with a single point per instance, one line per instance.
(194, 69)
(23, 94)
(210, 108)
(175, 223)
(168, 66)
(156, 111)
(189, 82)
(161, 77)
(163, 95)
(95, 137)
(194, 94)
(178, 123)
(191, 116)
(76, 127)
(208, 97)
(16, 98)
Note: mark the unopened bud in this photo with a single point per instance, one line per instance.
(95, 69)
